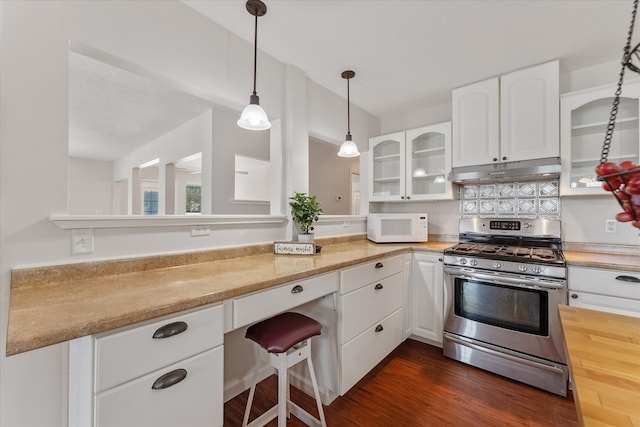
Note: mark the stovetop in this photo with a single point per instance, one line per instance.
(530, 247)
(544, 255)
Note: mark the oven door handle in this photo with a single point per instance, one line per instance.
(506, 356)
(506, 280)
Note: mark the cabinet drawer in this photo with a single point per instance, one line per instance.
(263, 304)
(132, 352)
(361, 275)
(616, 283)
(624, 306)
(367, 305)
(364, 352)
(194, 401)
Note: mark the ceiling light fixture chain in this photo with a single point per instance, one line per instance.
(627, 58)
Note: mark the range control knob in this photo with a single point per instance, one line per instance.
(536, 269)
(527, 225)
(473, 262)
(462, 261)
(496, 264)
(522, 268)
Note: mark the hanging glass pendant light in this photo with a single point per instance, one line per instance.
(348, 147)
(253, 116)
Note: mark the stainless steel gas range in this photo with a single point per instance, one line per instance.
(503, 284)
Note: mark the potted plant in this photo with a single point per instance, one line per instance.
(305, 209)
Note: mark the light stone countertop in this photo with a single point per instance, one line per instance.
(50, 305)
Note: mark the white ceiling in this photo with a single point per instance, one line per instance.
(410, 54)
(113, 111)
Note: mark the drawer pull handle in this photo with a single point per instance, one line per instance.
(574, 296)
(379, 328)
(169, 379)
(379, 265)
(297, 289)
(631, 279)
(170, 330)
(378, 286)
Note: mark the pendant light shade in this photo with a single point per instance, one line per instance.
(348, 147)
(253, 117)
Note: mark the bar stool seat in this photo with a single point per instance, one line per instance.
(287, 338)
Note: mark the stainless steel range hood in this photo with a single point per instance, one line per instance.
(525, 170)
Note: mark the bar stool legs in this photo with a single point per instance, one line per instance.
(282, 410)
(287, 339)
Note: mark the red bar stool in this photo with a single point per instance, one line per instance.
(287, 338)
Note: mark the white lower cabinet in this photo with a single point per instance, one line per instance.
(164, 372)
(427, 305)
(183, 394)
(613, 291)
(371, 316)
(364, 352)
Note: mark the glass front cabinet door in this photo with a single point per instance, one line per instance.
(411, 165)
(584, 117)
(428, 162)
(386, 154)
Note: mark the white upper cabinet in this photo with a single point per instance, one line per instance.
(411, 165)
(510, 118)
(584, 117)
(476, 119)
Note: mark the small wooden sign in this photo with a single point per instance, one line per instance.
(294, 248)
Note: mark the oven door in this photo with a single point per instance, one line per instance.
(506, 310)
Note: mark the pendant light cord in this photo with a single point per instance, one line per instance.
(255, 55)
(348, 111)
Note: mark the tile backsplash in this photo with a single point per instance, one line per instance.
(539, 199)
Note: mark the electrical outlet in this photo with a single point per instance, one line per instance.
(82, 241)
(200, 230)
(610, 226)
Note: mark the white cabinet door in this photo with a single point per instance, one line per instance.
(386, 167)
(530, 113)
(511, 118)
(584, 116)
(476, 130)
(427, 287)
(428, 162)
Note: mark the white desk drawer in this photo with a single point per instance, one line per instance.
(190, 402)
(263, 304)
(364, 352)
(616, 283)
(367, 305)
(131, 352)
(363, 274)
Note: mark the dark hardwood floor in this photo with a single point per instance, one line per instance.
(417, 386)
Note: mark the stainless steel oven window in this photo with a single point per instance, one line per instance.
(517, 309)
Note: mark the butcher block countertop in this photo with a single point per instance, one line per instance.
(604, 360)
(50, 305)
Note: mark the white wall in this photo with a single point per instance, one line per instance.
(183, 48)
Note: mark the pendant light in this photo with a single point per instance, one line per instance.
(253, 116)
(348, 147)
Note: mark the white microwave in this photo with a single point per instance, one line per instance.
(395, 228)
